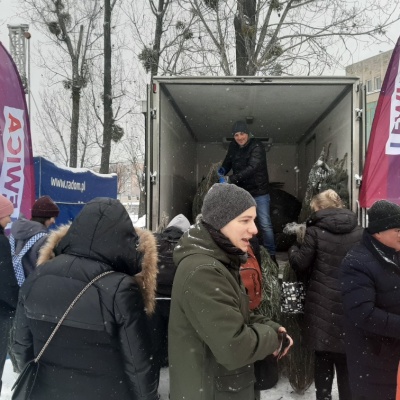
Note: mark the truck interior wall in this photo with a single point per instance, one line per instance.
(335, 129)
(177, 165)
(281, 160)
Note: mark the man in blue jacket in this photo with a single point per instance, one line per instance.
(247, 159)
(370, 286)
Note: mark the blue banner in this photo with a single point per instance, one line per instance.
(71, 188)
(72, 185)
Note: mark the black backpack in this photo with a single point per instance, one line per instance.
(166, 242)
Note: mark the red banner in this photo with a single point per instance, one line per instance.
(381, 176)
(16, 161)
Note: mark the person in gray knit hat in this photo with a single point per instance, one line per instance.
(213, 339)
(369, 281)
(223, 203)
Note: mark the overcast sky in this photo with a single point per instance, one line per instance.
(10, 14)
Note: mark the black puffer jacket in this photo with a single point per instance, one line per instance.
(370, 282)
(330, 234)
(249, 166)
(102, 349)
(8, 282)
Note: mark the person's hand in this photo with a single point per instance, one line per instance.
(221, 171)
(286, 342)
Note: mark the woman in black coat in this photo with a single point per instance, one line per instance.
(8, 283)
(331, 232)
(102, 350)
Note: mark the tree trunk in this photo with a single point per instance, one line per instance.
(245, 33)
(157, 37)
(142, 204)
(108, 112)
(76, 96)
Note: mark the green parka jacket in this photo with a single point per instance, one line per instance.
(213, 338)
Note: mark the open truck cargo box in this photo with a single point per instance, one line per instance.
(189, 121)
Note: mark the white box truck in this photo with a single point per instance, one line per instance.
(189, 120)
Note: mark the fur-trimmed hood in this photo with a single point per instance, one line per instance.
(94, 234)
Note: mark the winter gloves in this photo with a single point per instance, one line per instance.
(221, 175)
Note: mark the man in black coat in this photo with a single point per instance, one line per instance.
(247, 158)
(370, 282)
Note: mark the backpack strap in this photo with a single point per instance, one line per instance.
(17, 258)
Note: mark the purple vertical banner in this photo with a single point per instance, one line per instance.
(16, 160)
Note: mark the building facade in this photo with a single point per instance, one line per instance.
(371, 71)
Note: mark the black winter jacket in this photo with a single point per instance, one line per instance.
(166, 242)
(370, 282)
(8, 282)
(102, 349)
(330, 234)
(249, 166)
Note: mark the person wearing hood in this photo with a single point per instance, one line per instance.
(213, 339)
(331, 232)
(28, 236)
(102, 350)
(247, 159)
(370, 282)
(8, 283)
(166, 242)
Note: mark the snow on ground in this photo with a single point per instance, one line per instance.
(282, 391)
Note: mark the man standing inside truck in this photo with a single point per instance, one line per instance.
(247, 159)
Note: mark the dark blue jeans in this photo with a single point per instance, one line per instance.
(264, 220)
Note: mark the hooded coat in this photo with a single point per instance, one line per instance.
(330, 234)
(370, 282)
(166, 242)
(249, 167)
(213, 339)
(22, 230)
(102, 349)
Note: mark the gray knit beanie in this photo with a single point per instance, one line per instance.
(239, 126)
(223, 203)
(383, 215)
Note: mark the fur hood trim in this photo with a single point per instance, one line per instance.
(147, 247)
